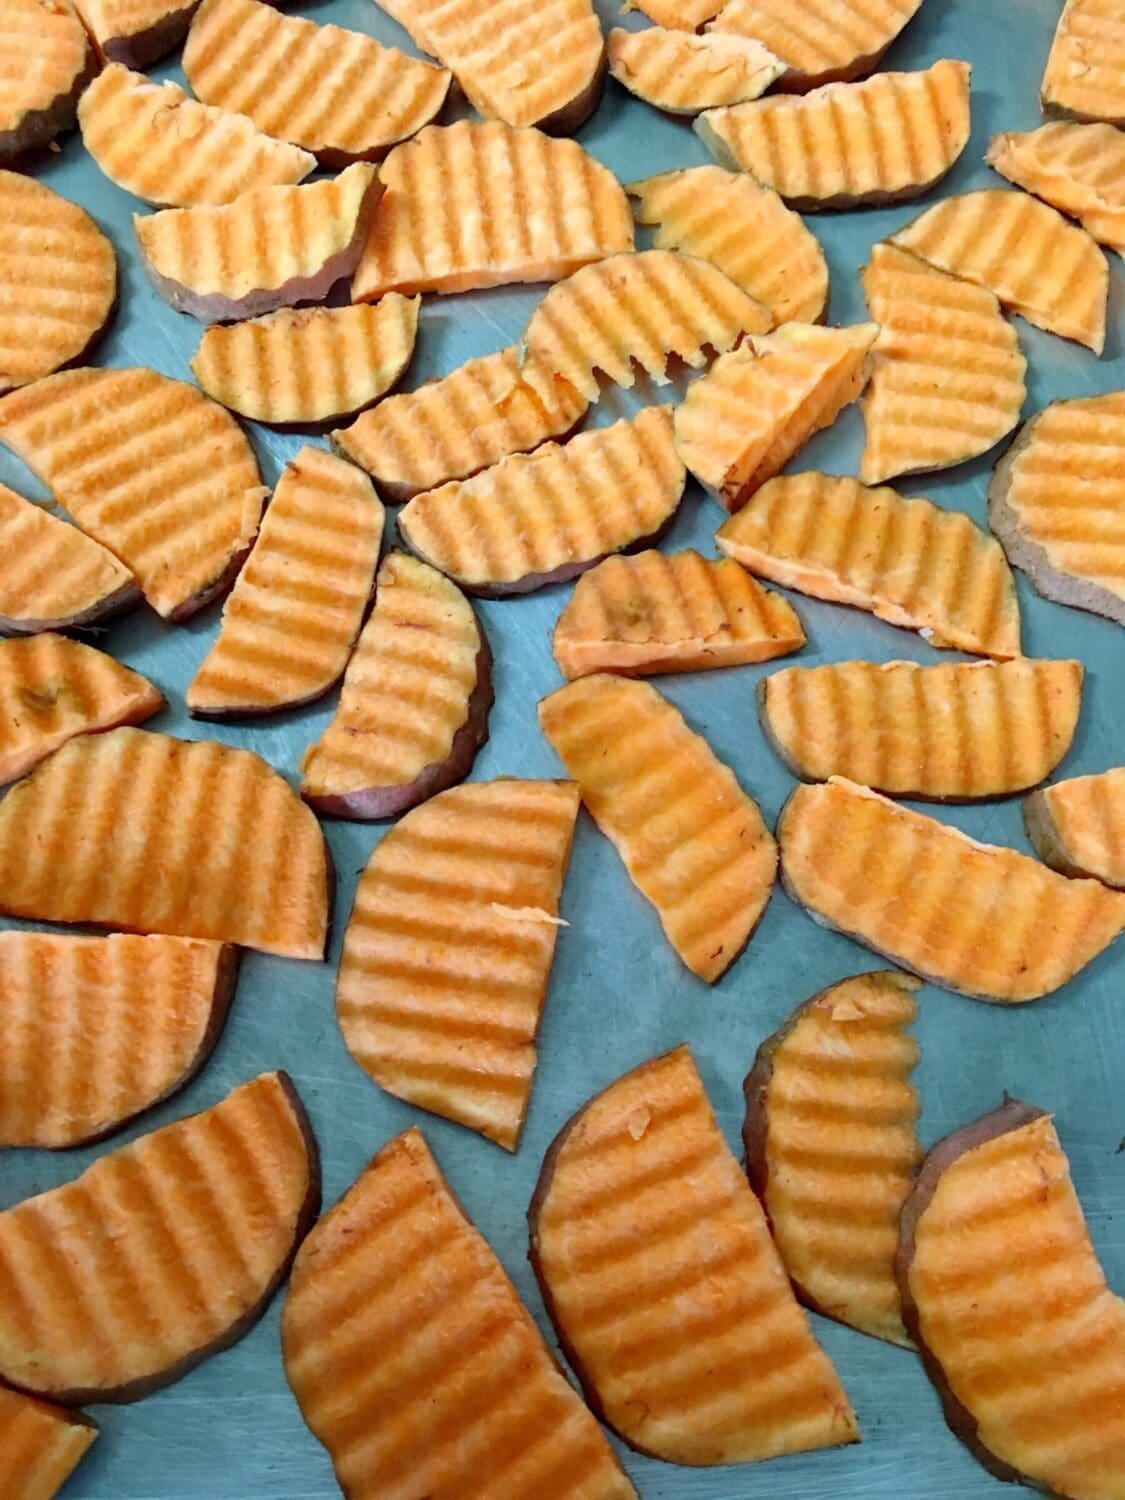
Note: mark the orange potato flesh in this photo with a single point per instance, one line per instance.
(684, 73)
(670, 1299)
(1078, 826)
(240, 858)
(53, 62)
(135, 32)
(1085, 73)
(692, 840)
(448, 951)
(40, 1446)
(414, 1361)
(826, 41)
(1078, 169)
(985, 921)
(682, 15)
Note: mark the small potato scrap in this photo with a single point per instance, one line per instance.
(681, 15)
(136, 33)
(52, 62)
(825, 41)
(40, 1446)
(1078, 169)
(1078, 826)
(1085, 74)
(692, 840)
(684, 73)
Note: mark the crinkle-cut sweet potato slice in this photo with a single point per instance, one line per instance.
(884, 140)
(669, 1297)
(679, 15)
(149, 467)
(1085, 74)
(694, 843)
(413, 710)
(1036, 262)
(831, 1148)
(670, 613)
(414, 1361)
(1057, 503)
(292, 618)
(136, 830)
(683, 73)
(1005, 1298)
(135, 33)
(981, 920)
(906, 561)
(161, 1253)
(51, 63)
(40, 1446)
(953, 732)
(482, 204)
(1078, 169)
(97, 1029)
(1078, 826)
(820, 41)
(744, 229)
(546, 516)
(337, 93)
(448, 951)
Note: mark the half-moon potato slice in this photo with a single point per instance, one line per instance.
(825, 41)
(52, 62)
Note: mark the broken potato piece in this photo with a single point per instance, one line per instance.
(683, 73)
(135, 33)
(1078, 826)
(53, 62)
(1078, 169)
(830, 41)
(1085, 74)
(40, 1446)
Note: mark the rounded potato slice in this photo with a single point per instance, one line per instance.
(1078, 826)
(54, 61)
(684, 73)
(825, 41)
(40, 1446)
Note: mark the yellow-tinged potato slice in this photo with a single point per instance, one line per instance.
(692, 840)
(888, 138)
(150, 468)
(1010, 1308)
(831, 1148)
(743, 228)
(982, 920)
(51, 61)
(239, 858)
(1049, 271)
(40, 1446)
(743, 421)
(1078, 826)
(682, 15)
(949, 733)
(1085, 73)
(684, 73)
(291, 619)
(414, 1361)
(1078, 169)
(906, 561)
(448, 950)
(670, 1299)
(135, 32)
(821, 41)
(543, 517)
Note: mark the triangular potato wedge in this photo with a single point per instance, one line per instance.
(40, 1446)
(1078, 169)
(683, 73)
(981, 920)
(825, 41)
(54, 61)
(1085, 74)
(1078, 826)
(669, 1297)
(135, 32)
(694, 843)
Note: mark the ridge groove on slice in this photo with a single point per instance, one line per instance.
(1078, 826)
(1085, 74)
(40, 1446)
(825, 41)
(1078, 169)
(135, 33)
(683, 73)
(52, 63)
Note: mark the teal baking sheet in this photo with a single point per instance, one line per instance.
(231, 1430)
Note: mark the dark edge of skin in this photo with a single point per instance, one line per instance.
(1048, 842)
(39, 127)
(569, 117)
(336, 158)
(125, 598)
(142, 48)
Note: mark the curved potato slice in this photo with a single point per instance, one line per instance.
(826, 41)
(1078, 169)
(135, 32)
(692, 840)
(1078, 826)
(39, 96)
(1085, 73)
(981, 920)
(40, 1446)
(669, 1297)
(831, 1148)
(684, 73)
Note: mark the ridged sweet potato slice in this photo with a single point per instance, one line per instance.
(906, 561)
(684, 73)
(414, 707)
(40, 1446)
(831, 1148)
(292, 618)
(669, 1297)
(1005, 1297)
(97, 1029)
(1037, 263)
(692, 840)
(742, 421)
(51, 63)
(240, 859)
(448, 951)
(1078, 169)
(1078, 826)
(949, 733)
(670, 613)
(414, 1361)
(985, 921)
(161, 1253)
(743, 228)
(136, 32)
(162, 477)
(886, 139)
(825, 41)
(1085, 74)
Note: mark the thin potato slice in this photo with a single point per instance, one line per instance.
(985, 921)
(53, 61)
(831, 1148)
(670, 1299)
(1085, 73)
(40, 1446)
(135, 33)
(692, 840)
(825, 41)
(1078, 169)
(1078, 826)
(684, 73)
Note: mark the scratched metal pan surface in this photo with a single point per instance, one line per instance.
(231, 1430)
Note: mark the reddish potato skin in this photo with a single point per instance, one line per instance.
(570, 117)
(40, 126)
(222, 585)
(122, 599)
(144, 47)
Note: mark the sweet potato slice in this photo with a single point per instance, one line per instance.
(985, 921)
(163, 1252)
(1078, 169)
(886, 139)
(448, 951)
(1037, 263)
(692, 840)
(414, 1361)
(826, 41)
(831, 1148)
(135, 33)
(684, 73)
(948, 733)
(97, 1029)
(414, 707)
(162, 477)
(744, 229)
(52, 63)
(669, 1297)
(40, 1446)
(1078, 826)
(742, 421)
(1004, 1295)
(239, 858)
(1085, 74)
(906, 561)
(677, 613)
(295, 611)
